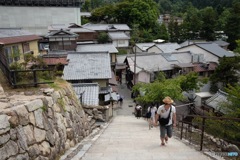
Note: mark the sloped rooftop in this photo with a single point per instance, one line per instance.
(88, 65)
(118, 35)
(87, 92)
(97, 48)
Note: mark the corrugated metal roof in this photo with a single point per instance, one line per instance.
(89, 93)
(168, 47)
(88, 65)
(97, 48)
(221, 43)
(106, 27)
(118, 35)
(215, 49)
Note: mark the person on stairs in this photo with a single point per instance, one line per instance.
(166, 115)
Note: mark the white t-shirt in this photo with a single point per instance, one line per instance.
(153, 110)
(164, 114)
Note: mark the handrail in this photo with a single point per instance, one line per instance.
(201, 125)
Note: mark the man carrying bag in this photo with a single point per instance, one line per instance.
(166, 115)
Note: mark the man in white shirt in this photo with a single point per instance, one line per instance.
(167, 110)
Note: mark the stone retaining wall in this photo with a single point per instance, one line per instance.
(43, 126)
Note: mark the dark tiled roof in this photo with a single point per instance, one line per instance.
(20, 39)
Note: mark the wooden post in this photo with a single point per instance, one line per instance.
(203, 128)
(34, 78)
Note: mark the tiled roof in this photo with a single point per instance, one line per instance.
(216, 100)
(61, 33)
(55, 60)
(14, 32)
(221, 43)
(150, 62)
(89, 93)
(106, 27)
(90, 65)
(215, 49)
(97, 48)
(168, 47)
(56, 27)
(144, 46)
(118, 35)
(199, 67)
(20, 39)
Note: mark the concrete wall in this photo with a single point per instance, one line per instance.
(37, 19)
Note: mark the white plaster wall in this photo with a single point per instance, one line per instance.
(196, 50)
(143, 77)
(37, 19)
(117, 44)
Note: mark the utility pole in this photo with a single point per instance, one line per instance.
(135, 61)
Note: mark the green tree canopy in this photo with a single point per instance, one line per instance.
(162, 87)
(227, 71)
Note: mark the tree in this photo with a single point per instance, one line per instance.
(103, 38)
(237, 50)
(232, 28)
(227, 71)
(163, 33)
(162, 87)
(209, 19)
(192, 23)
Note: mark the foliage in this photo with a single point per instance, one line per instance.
(122, 51)
(15, 66)
(237, 50)
(227, 71)
(232, 28)
(209, 19)
(103, 38)
(156, 91)
(234, 98)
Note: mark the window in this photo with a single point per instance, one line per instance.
(12, 54)
(15, 53)
(7, 51)
(26, 47)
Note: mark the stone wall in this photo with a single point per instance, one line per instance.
(42, 126)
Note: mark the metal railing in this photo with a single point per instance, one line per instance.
(196, 127)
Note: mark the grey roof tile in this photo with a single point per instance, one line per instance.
(89, 93)
(144, 46)
(107, 27)
(8, 32)
(216, 100)
(168, 47)
(90, 65)
(97, 48)
(215, 49)
(118, 35)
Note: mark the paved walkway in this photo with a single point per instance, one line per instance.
(128, 138)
